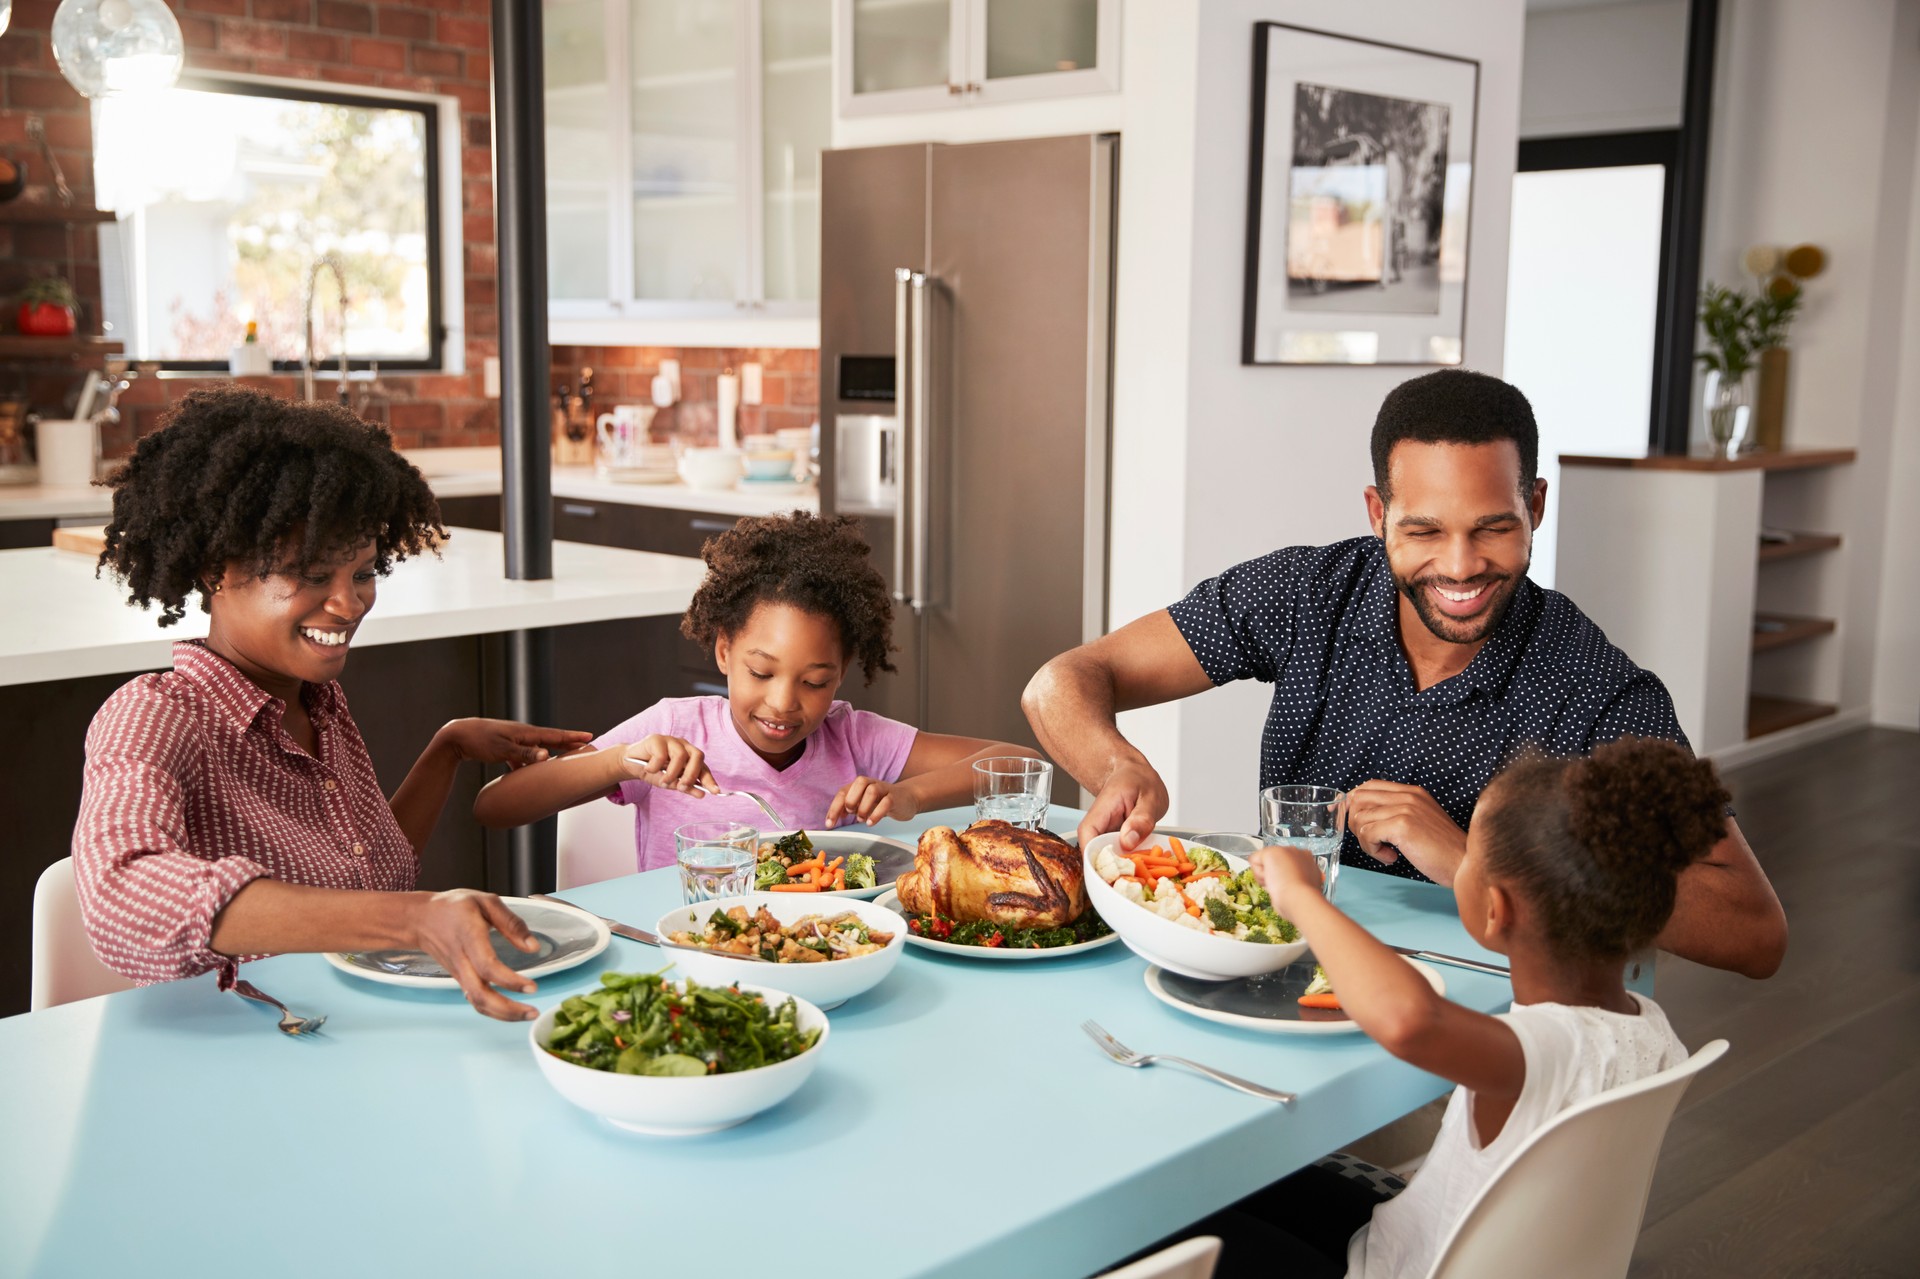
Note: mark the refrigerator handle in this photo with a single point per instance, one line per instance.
(919, 458)
(902, 372)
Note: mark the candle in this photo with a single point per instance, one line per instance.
(729, 393)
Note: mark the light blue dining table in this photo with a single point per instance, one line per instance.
(959, 1124)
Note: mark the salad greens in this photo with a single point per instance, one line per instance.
(641, 1024)
(980, 932)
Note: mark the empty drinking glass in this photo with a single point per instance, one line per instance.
(1309, 817)
(716, 859)
(1014, 789)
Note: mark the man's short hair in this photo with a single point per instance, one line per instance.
(1456, 406)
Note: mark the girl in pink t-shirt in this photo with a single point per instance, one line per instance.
(790, 604)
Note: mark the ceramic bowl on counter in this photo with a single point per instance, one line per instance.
(711, 469)
(769, 464)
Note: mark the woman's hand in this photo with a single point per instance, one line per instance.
(457, 929)
(669, 763)
(504, 741)
(1286, 872)
(868, 799)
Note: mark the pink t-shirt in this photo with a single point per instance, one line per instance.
(848, 744)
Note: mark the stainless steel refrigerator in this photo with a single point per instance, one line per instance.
(965, 366)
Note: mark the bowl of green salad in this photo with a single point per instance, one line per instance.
(1188, 908)
(675, 1058)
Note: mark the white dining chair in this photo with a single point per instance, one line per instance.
(1570, 1200)
(595, 843)
(1192, 1258)
(64, 965)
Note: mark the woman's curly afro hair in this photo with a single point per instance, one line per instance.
(816, 563)
(239, 477)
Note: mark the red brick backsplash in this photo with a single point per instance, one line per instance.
(789, 385)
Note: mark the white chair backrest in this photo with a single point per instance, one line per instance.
(1189, 1259)
(64, 965)
(595, 843)
(1569, 1201)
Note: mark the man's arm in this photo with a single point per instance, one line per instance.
(1725, 914)
(1071, 703)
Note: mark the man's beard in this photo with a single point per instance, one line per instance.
(1462, 630)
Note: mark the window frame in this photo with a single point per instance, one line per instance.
(445, 281)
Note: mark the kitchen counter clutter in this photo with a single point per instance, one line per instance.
(68, 624)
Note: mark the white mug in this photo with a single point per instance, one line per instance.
(623, 434)
(67, 450)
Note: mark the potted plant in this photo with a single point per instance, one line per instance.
(1779, 274)
(1727, 316)
(48, 308)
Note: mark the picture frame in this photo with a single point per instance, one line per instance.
(1359, 201)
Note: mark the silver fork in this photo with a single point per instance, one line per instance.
(290, 1022)
(1128, 1057)
(778, 821)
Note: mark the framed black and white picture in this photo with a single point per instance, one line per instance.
(1362, 174)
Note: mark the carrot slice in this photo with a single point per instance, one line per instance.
(793, 888)
(1179, 850)
(1325, 999)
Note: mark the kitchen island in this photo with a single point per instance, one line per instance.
(431, 650)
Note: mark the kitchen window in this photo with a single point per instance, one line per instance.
(235, 197)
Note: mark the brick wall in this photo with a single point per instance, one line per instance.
(426, 46)
(789, 385)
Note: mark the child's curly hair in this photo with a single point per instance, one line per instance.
(816, 563)
(236, 476)
(1597, 844)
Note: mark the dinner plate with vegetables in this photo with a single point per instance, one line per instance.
(844, 863)
(1297, 1000)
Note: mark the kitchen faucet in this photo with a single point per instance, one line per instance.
(331, 263)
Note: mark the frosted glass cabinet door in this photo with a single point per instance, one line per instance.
(688, 237)
(901, 44)
(796, 99)
(581, 184)
(1041, 37)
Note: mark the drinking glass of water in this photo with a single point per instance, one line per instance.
(1309, 817)
(716, 859)
(1014, 789)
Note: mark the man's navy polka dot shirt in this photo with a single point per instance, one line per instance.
(1321, 624)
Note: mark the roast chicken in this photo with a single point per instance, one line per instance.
(995, 871)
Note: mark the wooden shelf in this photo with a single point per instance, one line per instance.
(19, 211)
(13, 347)
(1771, 714)
(1787, 460)
(1792, 630)
(1801, 544)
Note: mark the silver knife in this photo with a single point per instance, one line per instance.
(1435, 957)
(641, 935)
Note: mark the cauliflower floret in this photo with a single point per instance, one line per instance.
(1189, 921)
(1201, 889)
(1240, 932)
(1110, 865)
(1167, 890)
(1131, 890)
(1170, 908)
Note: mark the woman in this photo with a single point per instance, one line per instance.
(230, 809)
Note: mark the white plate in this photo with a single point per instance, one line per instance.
(890, 900)
(569, 938)
(889, 855)
(1286, 1018)
(775, 488)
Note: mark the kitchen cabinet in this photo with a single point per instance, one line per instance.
(683, 161)
(936, 55)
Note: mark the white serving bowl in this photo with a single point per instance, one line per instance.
(825, 985)
(668, 1106)
(710, 469)
(769, 464)
(1176, 947)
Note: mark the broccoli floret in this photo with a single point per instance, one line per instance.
(1205, 858)
(1220, 915)
(1259, 935)
(768, 873)
(860, 871)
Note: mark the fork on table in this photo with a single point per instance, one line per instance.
(291, 1023)
(1126, 1056)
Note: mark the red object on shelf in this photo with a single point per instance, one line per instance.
(45, 320)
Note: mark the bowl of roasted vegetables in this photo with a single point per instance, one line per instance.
(826, 950)
(844, 863)
(674, 1058)
(1188, 908)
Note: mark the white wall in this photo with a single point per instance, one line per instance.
(1215, 462)
(1896, 666)
(1814, 118)
(1604, 68)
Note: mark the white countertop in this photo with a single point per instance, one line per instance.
(63, 623)
(461, 472)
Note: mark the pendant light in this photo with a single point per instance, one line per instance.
(6, 15)
(107, 47)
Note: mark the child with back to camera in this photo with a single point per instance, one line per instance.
(789, 606)
(1570, 869)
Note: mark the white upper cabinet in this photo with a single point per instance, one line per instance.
(683, 168)
(930, 55)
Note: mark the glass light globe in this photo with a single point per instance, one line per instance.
(6, 15)
(106, 47)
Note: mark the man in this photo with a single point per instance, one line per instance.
(1407, 667)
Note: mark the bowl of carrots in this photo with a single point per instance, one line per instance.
(1190, 910)
(824, 982)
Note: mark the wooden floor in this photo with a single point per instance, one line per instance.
(1799, 1153)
